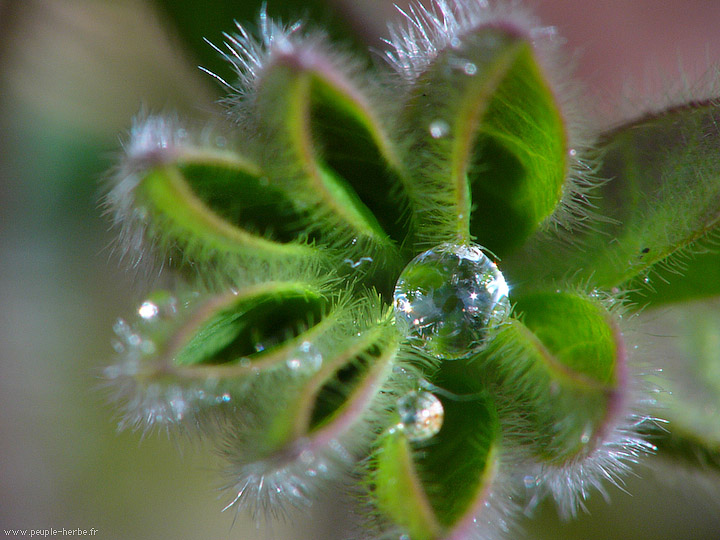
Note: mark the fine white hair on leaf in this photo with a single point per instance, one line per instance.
(271, 487)
(621, 448)
(428, 30)
(248, 54)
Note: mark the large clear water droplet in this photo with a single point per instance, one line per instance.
(447, 298)
(421, 415)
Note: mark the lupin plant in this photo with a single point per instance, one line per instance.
(419, 274)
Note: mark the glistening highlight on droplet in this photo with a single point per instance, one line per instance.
(448, 297)
(421, 415)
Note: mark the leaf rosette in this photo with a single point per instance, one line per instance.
(398, 273)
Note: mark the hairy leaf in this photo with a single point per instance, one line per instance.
(561, 368)
(489, 156)
(441, 486)
(304, 100)
(201, 204)
(660, 208)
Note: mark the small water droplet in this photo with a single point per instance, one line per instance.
(147, 346)
(586, 434)
(470, 69)
(439, 129)
(305, 359)
(446, 299)
(572, 152)
(455, 43)
(421, 415)
(148, 310)
(530, 481)
(646, 279)
(121, 329)
(307, 456)
(220, 141)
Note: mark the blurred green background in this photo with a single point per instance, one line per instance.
(73, 73)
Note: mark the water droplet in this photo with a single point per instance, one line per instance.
(530, 481)
(148, 310)
(572, 152)
(455, 43)
(305, 359)
(439, 129)
(421, 415)
(470, 69)
(447, 298)
(586, 434)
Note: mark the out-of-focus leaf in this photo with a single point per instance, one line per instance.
(194, 22)
(201, 204)
(660, 206)
(689, 396)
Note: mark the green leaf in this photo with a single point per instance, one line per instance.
(689, 396)
(250, 323)
(181, 357)
(660, 211)
(436, 487)
(489, 157)
(326, 145)
(561, 368)
(198, 204)
(333, 403)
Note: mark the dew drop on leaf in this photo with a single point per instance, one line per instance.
(448, 297)
(305, 359)
(421, 415)
(148, 310)
(470, 69)
(439, 129)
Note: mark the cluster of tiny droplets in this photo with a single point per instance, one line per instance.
(152, 403)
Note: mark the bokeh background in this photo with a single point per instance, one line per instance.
(73, 73)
